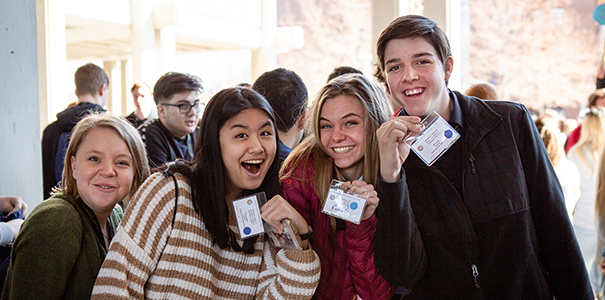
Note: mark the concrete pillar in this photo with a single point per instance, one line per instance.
(447, 14)
(113, 98)
(143, 41)
(20, 147)
(265, 58)
(383, 12)
(52, 59)
(125, 86)
(165, 39)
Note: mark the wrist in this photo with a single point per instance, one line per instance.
(306, 235)
(391, 177)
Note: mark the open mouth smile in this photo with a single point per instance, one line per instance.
(252, 166)
(342, 149)
(414, 92)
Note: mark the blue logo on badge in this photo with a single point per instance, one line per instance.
(353, 205)
(448, 133)
(247, 230)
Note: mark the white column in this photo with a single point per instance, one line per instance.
(265, 58)
(143, 41)
(447, 14)
(166, 44)
(52, 59)
(125, 85)
(109, 67)
(383, 12)
(20, 147)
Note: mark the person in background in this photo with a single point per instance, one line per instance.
(12, 212)
(64, 240)
(600, 218)
(92, 86)
(174, 134)
(179, 238)
(490, 211)
(287, 94)
(596, 99)
(585, 155)
(343, 145)
(485, 91)
(143, 107)
(342, 70)
(600, 75)
(566, 171)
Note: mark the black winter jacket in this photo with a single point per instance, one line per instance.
(509, 237)
(66, 120)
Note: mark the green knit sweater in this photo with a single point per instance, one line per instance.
(57, 254)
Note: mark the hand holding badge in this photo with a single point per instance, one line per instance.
(345, 202)
(437, 136)
(250, 222)
(247, 213)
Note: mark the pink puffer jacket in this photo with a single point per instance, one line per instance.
(347, 256)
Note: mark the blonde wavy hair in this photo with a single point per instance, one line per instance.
(130, 136)
(592, 138)
(376, 111)
(600, 199)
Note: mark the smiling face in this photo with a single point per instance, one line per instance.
(341, 131)
(416, 77)
(103, 169)
(248, 148)
(177, 123)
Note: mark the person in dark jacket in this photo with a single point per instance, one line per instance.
(92, 85)
(174, 134)
(490, 211)
(287, 94)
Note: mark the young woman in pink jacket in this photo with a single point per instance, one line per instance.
(343, 145)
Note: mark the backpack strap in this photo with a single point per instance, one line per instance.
(168, 173)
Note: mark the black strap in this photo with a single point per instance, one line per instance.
(247, 247)
(167, 173)
(340, 224)
(95, 222)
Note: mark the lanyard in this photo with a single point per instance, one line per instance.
(95, 222)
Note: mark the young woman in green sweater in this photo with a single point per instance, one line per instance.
(64, 240)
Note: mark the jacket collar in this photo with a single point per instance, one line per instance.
(478, 119)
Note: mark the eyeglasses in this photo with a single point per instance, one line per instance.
(185, 108)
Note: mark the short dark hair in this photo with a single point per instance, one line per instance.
(89, 78)
(411, 26)
(342, 70)
(286, 93)
(172, 83)
(207, 171)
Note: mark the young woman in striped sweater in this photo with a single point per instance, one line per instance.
(190, 248)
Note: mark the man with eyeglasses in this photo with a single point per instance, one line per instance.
(174, 134)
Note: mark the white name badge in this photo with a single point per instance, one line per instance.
(438, 136)
(247, 213)
(344, 203)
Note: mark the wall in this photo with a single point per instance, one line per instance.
(20, 153)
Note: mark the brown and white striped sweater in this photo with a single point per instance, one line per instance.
(149, 258)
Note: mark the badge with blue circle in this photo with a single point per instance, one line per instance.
(345, 201)
(434, 140)
(247, 213)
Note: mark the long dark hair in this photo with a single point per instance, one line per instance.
(207, 172)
